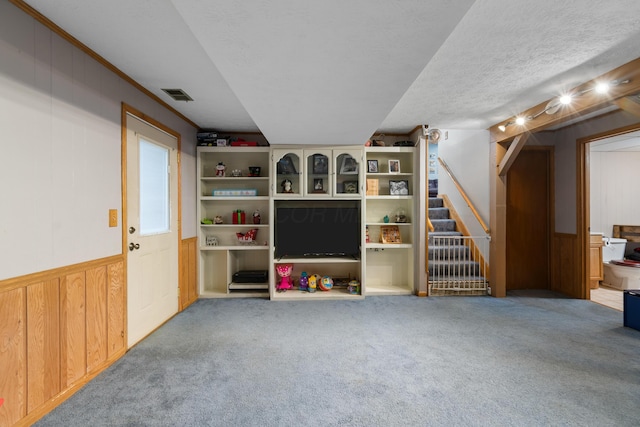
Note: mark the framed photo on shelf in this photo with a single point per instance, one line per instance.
(286, 166)
(351, 187)
(394, 166)
(318, 186)
(390, 234)
(349, 166)
(320, 164)
(399, 187)
(372, 166)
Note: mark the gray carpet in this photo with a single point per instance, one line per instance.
(384, 361)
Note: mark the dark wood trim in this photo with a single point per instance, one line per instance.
(512, 153)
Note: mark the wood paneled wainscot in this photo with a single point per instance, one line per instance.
(58, 329)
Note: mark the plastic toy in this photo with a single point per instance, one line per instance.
(256, 217)
(354, 287)
(284, 271)
(218, 219)
(326, 283)
(313, 282)
(304, 281)
(220, 168)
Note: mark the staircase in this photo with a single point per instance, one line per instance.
(456, 264)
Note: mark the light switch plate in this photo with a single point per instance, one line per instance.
(113, 217)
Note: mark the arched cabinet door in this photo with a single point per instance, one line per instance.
(318, 178)
(348, 173)
(288, 172)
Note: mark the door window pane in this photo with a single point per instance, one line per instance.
(154, 188)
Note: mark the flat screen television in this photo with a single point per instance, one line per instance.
(317, 231)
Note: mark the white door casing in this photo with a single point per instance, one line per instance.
(152, 235)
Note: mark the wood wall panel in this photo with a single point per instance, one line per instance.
(13, 356)
(565, 266)
(115, 307)
(96, 318)
(43, 342)
(188, 275)
(72, 329)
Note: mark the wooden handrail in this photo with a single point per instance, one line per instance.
(430, 225)
(463, 194)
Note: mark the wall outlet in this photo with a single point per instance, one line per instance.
(113, 217)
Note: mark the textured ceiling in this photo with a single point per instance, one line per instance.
(338, 71)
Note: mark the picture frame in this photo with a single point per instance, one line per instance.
(320, 164)
(286, 166)
(390, 234)
(372, 166)
(399, 187)
(351, 187)
(394, 166)
(349, 166)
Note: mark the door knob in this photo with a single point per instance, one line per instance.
(133, 246)
(132, 230)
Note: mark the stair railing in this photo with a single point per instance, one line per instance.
(464, 195)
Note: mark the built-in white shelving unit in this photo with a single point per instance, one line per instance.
(310, 178)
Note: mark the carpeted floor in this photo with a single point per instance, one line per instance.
(524, 360)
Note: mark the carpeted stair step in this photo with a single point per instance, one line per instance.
(435, 202)
(438, 213)
(443, 224)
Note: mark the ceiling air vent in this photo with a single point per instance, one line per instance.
(178, 94)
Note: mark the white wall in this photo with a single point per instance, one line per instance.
(466, 152)
(614, 179)
(60, 135)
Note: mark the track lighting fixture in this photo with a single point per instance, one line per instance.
(566, 99)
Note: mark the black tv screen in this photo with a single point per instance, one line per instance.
(317, 231)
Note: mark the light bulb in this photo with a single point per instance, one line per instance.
(602, 87)
(520, 121)
(565, 99)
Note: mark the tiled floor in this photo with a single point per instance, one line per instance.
(607, 296)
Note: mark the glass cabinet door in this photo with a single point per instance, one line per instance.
(348, 173)
(318, 172)
(288, 173)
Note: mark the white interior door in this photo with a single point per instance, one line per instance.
(152, 224)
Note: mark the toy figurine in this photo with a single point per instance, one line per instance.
(284, 271)
(220, 168)
(304, 281)
(313, 282)
(256, 217)
(354, 287)
(287, 186)
(218, 219)
(326, 283)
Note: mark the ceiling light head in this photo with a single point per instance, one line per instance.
(602, 87)
(565, 99)
(520, 120)
(502, 128)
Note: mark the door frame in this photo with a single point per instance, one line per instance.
(129, 110)
(583, 220)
